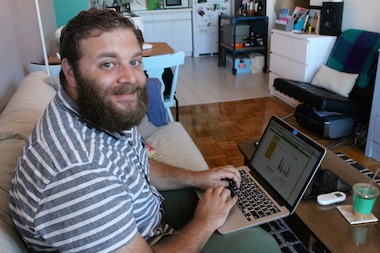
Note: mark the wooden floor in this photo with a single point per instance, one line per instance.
(217, 128)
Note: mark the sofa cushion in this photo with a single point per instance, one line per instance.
(9, 240)
(335, 81)
(26, 106)
(53, 81)
(176, 147)
(146, 128)
(10, 150)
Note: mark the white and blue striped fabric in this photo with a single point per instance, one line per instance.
(79, 189)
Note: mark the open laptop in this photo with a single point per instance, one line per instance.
(283, 165)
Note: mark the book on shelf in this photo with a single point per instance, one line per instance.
(299, 13)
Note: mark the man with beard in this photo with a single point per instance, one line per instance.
(84, 183)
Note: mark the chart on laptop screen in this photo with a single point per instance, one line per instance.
(284, 161)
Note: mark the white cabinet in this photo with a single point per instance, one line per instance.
(170, 26)
(372, 148)
(182, 32)
(138, 22)
(297, 57)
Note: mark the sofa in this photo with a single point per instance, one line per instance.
(169, 143)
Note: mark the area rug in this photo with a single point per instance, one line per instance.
(286, 239)
(357, 166)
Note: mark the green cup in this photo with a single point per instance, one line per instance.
(364, 199)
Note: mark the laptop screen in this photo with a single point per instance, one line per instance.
(287, 160)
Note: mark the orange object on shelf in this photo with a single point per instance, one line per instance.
(250, 13)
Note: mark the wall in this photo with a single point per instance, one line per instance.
(10, 67)
(68, 9)
(360, 14)
(20, 41)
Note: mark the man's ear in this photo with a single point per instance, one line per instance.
(71, 86)
(69, 73)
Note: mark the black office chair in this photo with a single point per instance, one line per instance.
(355, 51)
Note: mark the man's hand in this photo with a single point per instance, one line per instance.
(214, 206)
(166, 177)
(217, 177)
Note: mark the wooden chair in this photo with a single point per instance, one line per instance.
(155, 66)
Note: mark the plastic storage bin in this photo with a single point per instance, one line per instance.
(241, 30)
(242, 65)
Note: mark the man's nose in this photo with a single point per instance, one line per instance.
(127, 74)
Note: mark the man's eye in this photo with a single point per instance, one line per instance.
(135, 63)
(108, 65)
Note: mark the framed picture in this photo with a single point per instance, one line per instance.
(314, 17)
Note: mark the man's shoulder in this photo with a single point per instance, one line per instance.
(56, 139)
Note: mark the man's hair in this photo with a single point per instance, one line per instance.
(86, 24)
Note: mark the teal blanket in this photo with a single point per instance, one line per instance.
(356, 51)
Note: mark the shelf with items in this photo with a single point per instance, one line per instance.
(237, 31)
(243, 49)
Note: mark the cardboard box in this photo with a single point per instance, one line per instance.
(242, 65)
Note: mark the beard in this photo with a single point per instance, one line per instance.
(96, 106)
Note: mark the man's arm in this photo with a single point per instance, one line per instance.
(166, 177)
(209, 215)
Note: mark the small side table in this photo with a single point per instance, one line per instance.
(247, 148)
(323, 228)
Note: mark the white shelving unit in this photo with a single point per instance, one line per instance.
(372, 148)
(297, 56)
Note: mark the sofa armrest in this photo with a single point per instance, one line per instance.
(175, 147)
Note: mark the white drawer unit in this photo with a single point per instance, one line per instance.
(372, 148)
(170, 26)
(297, 56)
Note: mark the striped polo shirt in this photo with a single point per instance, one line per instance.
(79, 189)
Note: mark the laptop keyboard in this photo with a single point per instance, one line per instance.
(253, 202)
